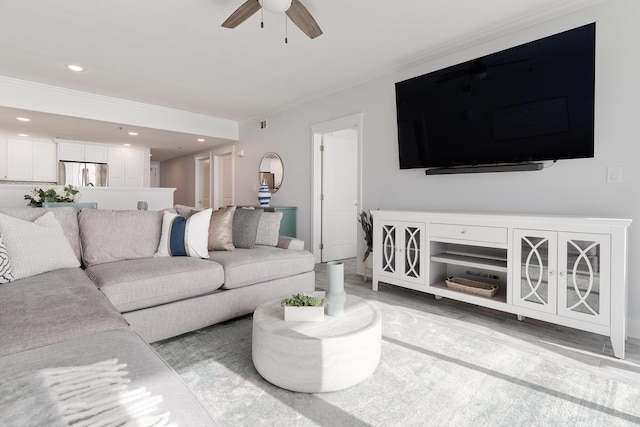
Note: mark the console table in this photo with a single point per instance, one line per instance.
(570, 271)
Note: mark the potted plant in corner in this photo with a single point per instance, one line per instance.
(366, 221)
(303, 308)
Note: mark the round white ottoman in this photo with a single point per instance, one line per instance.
(313, 357)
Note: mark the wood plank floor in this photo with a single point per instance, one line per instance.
(589, 348)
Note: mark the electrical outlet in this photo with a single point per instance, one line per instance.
(614, 175)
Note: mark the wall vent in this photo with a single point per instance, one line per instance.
(262, 125)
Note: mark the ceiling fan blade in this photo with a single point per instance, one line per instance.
(242, 13)
(300, 16)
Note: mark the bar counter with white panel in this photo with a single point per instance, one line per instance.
(118, 198)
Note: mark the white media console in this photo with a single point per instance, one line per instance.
(570, 271)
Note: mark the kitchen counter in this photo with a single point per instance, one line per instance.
(118, 198)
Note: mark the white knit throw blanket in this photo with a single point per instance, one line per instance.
(78, 396)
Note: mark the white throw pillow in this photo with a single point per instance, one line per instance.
(36, 247)
(5, 265)
(185, 236)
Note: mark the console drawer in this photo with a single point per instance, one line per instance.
(469, 232)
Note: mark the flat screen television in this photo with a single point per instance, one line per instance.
(529, 103)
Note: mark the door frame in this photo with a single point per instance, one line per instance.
(154, 182)
(199, 159)
(216, 156)
(317, 130)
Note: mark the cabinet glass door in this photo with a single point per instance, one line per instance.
(402, 251)
(584, 277)
(412, 251)
(535, 275)
(389, 248)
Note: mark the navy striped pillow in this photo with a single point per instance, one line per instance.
(185, 236)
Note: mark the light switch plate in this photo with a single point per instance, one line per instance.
(614, 175)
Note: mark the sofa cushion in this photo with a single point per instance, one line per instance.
(36, 247)
(66, 216)
(51, 307)
(269, 228)
(221, 229)
(5, 265)
(186, 211)
(109, 235)
(244, 267)
(145, 369)
(136, 284)
(182, 236)
(245, 227)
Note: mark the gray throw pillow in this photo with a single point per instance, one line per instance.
(269, 229)
(245, 227)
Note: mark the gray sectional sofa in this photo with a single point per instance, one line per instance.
(123, 297)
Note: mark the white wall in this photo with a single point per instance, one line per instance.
(568, 187)
(180, 173)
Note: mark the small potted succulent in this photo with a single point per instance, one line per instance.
(303, 308)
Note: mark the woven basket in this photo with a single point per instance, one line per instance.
(471, 286)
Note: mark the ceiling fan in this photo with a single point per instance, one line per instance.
(293, 8)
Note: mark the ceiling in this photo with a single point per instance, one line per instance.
(175, 54)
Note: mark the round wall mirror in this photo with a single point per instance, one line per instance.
(271, 171)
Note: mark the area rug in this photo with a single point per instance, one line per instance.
(434, 371)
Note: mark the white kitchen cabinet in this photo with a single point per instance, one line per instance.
(44, 162)
(126, 167)
(134, 167)
(31, 160)
(565, 270)
(82, 152)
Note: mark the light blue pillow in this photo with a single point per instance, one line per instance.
(185, 236)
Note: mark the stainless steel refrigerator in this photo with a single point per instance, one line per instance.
(82, 174)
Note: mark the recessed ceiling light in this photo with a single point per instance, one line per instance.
(23, 119)
(73, 67)
(133, 133)
(22, 134)
(200, 139)
(127, 145)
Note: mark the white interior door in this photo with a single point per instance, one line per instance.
(203, 182)
(225, 195)
(339, 195)
(223, 182)
(154, 174)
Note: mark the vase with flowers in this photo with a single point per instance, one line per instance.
(55, 194)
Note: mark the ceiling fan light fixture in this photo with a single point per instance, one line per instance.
(277, 6)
